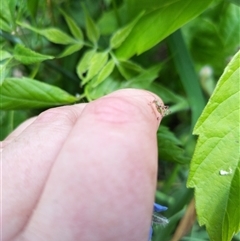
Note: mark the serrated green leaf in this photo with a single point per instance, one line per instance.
(104, 73)
(70, 50)
(54, 35)
(28, 56)
(91, 28)
(75, 30)
(25, 93)
(4, 55)
(170, 147)
(98, 61)
(215, 168)
(121, 34)
(85, 62)
(158, 24)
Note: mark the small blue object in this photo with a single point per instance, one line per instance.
(157, 218)
(159, 208)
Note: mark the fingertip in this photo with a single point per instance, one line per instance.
(145, 101)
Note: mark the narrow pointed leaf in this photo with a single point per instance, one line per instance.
(129, 69)
(85, 62)
(28, 56)
(121, 34)
(97, 63)
(70, 50)
(144, 79)
(91, 28)
(54, 35)
(105, 72)
(25, 93)
(215, 168)
(75, 30)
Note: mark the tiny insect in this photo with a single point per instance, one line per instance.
(162, 109)
(158, 219)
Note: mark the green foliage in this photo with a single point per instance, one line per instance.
(52, 51)
(215, 168)
(27, 56)
(167, 141)
(119, 36)
(92, 30)
(23, 93)
(54, 35)
(218, 32)
(75, 30)
(175, 12)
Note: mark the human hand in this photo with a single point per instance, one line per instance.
(82, 172)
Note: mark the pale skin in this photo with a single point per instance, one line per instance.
(82, 172)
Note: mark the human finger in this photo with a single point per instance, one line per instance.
(102, 184)
(27, 161)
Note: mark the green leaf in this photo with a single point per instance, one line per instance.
(129, 69)
(158, 24)
(4, 70)
(6, 23)
(32, 7)
(4, 55)
(75, 30)
(170, 147)
(213, 34)
(106, 87)
(70, 50)
(121, 34)
(107, 23)
(85, 62)
(104, 73)
(91, 28)
(237, 2)
(28, 56)
(5, 26)
(215, 168)
(25, 93)
(54, 35)
(144, 79)
(97, 63)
